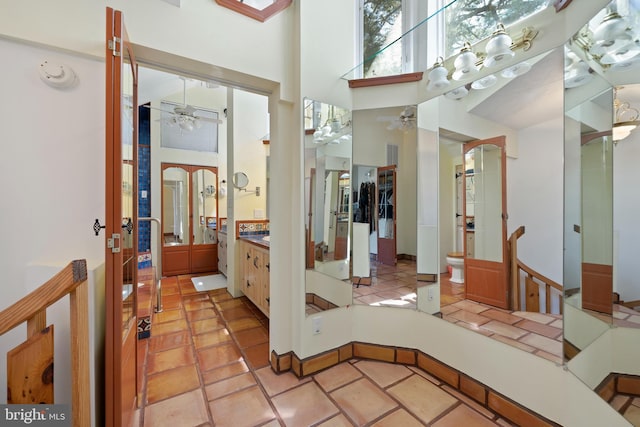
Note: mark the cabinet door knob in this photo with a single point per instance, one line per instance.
(248, 256)
(268, 266)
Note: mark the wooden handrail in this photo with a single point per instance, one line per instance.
(54, 289)
(72, 281)
(513, 262)
(531, 272)
(532, 281)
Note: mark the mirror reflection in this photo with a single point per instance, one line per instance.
(328, 205)
(189, 219)
(384, 190)
(499, 143)
(602, 97)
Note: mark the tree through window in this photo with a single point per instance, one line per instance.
(475, 20)
(382, 21)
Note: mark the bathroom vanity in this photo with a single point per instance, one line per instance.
(222, 247)
(254, 265)
(253, 262)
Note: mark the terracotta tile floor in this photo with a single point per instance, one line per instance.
(628, 406)
(207, 364)
(391, 286)
(536, 333)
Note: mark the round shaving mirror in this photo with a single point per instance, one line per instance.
(240, 180)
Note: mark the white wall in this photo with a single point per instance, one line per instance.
(535, 197)
(251, 123)
(52, 170)
(566, 400)
(201, 30)
(626, 199)
(327, 50)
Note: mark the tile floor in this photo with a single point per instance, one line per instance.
(207, 364)
(391, 286)
(628, 406)
(536, 333)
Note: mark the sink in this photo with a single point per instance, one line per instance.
(266, 238)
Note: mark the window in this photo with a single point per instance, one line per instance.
(382, 24)
(198, 132)
(474, 20)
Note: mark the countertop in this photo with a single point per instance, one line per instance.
(258, 240)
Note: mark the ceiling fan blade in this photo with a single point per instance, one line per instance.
(157, 109)
(208, 119)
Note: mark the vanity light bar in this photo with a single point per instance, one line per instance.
(522, 41)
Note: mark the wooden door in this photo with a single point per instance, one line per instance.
(120, 220)
(342, 216)
(387, 215)
(485, 218)
(190, 219)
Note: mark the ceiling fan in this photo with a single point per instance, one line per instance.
(405, 121)
(184, 116)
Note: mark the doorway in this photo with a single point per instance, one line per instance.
(189, 218)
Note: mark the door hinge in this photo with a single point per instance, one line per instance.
(113, 243)
(113, 45)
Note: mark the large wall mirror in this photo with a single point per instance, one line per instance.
(499, 144)
(328, 205)
(385, 205)
(602, 97)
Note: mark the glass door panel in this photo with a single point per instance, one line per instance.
(175, 220)
(204, 211)
(485, 222)
(121, 215)
(190, 219)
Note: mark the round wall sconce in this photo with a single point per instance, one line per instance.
(57, 75)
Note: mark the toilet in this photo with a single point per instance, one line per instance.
(456, 261)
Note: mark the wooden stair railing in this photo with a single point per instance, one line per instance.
(532, 280)
(27, 386)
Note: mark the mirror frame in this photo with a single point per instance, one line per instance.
(252, 12)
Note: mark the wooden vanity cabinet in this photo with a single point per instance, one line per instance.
(222, 253)
(255, 269)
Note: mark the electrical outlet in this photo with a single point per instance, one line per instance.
(430, 293)
(317, 325)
